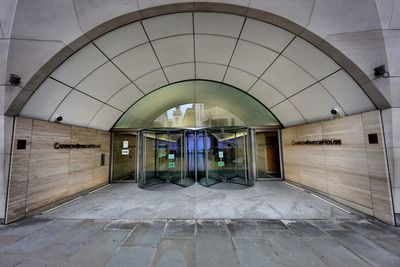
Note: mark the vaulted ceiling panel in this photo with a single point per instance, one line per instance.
(151, 81)
(287, 114)
(287, 77)
(180, 72)
(310, 58)
(252, 58)
(45, 100)
(214, 49)
(103, 82)
(168, 25)
(125, 97)
(266, 94)
(347, 92)
(266, 35)
(217, 23)
(105, 118)
(239, 79)
(79, 65)
(210, 71)
(122, 39)
(315, 103)
(77, 109)
(137, 61)
(174, 50)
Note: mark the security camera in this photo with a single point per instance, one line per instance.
(59, 118)
(334, 111)
(14, 79)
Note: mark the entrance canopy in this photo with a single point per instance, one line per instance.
(204, 103)
(294, 79)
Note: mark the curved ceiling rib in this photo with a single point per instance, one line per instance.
(291, 77)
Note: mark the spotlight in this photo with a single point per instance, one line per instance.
(381, 71)
(14, 80)
(59, 118)
(334, 111)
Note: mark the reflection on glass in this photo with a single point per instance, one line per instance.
(268, 163)
(196, 116)
(216, 104)
(124, 157)
(227, 157)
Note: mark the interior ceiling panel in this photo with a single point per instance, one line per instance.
(290, 76)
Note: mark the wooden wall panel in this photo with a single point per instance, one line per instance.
(354, 173)
(42, 175)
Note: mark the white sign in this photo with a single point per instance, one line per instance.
(171, 156)
(221, 154)
(125, 151)
(125, 144)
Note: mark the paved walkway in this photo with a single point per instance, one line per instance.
(208, 243)
(270, 224)
(265, 200)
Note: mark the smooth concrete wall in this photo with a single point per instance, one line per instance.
(42, 175)
(354, 173)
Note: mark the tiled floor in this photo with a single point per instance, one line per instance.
(270, 224)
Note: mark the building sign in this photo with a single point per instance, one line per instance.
(125, 144)
(221, 164)
(125, 151)
(329, 142)
(72, 146)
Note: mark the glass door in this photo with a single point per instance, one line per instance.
(227, 153)
(162, 158)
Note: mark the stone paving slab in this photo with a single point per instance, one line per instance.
(205, 243)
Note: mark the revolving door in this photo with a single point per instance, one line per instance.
(182, 157)
(228, 157)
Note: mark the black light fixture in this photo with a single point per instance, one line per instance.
(14, 79)
(381, 71)
(59, 118)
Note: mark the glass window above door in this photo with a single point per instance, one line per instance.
(195, 104)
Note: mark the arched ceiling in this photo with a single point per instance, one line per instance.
(290, 76)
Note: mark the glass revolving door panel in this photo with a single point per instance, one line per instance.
(226, 157)
(162, 158)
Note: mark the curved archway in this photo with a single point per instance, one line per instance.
(291, 77)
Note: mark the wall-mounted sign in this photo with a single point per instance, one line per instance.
(171, 156)
(220, 154)
(125, 144)
(221, 164)
(171, 165)
(71, 146)
(125, 151)
(329, 142)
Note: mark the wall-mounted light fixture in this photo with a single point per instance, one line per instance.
(14, 79)
(381, 71)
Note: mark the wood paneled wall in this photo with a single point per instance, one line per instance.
(354, 173)
(41, 175)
